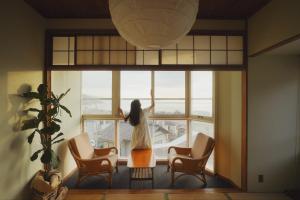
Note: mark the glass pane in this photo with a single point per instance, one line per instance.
(139, 57)
(101, 57)
(166, 133)
(186, 43)
(96, 92)
(169, 107)
(235, 42)
(118, 57)
(151, 57)
(185, 57)
(202, 42)
(168, 57)
(135, 85)
(101, 43)
(218, 42)
(71, 58)
(218, 57)
(235, 57)
(208, 129)
(101, 132)
(84, 43)
(169, 92)
(84, 57)
(117, 43)
(169, 84)
(131, 59)
(60, 43)
(125, 131)
(202, 57)
(60, 58)
(201, 93)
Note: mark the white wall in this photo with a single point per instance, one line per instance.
(21, 64)
(61, 82)
(229, 125)
(277, 21)
(273, 122)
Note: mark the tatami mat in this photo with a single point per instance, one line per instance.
(153, 196)
(258, 196)
(169, 195)
(198, 196)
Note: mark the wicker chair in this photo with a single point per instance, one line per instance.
(191, 161)
(92, 161)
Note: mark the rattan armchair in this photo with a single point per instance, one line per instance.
(191, 161)
(92, 161)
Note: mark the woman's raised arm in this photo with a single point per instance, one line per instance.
(121, 113)
(152, 102)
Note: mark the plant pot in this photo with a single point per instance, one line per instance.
(46, 190)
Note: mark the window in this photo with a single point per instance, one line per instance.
(101, 132)
(169, 93)
(168, 124)
(201, 93)
(166, 133)
(135, 85)
(96, 92)
(98, 50)
(125, 131)
(206, 128)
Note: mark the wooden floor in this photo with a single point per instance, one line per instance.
(199, 194)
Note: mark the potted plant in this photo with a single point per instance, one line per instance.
(46, 124)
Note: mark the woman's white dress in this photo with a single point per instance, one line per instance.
(140, 138)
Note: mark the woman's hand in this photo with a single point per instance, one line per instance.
(120, 111)
(152, 94)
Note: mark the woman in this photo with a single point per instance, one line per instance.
(140, 138)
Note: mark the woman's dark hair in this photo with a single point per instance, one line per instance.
(134, 114)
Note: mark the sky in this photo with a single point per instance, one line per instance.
(137, 84)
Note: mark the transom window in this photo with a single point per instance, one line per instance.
(83, 50)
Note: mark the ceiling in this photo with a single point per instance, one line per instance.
(208, 9)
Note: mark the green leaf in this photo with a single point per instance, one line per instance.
(35, 155)
(41, 116)
(53, 96)
(54, 160)
(57, 141)
(47, 130)
(46, 157)
(66, 110)
(42, 89)
(57, 120)
(32, 110)
(58, 135)
(30, 137)
(33, 95)
(55, 126)
(53, 111)
(30, 123)
(63, 94)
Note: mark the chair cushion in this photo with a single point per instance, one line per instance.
(201, 145)
(112, 157)
(83, 146)
(171, 157)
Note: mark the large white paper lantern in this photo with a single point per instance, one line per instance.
(153, 24)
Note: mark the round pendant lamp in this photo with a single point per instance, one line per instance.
(153, 24)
